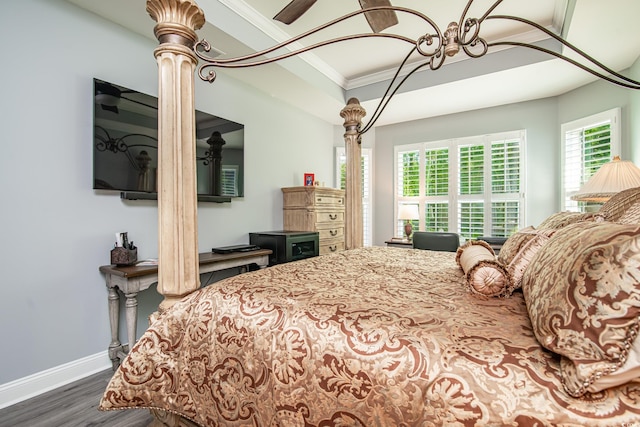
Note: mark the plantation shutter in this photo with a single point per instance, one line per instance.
(341, 162)
(229, 181)
(471, 190)
(505, 186)
(588, 144)
(408, 181)
(436, 189)
(472, 186)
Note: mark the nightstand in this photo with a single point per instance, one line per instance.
(399, 243)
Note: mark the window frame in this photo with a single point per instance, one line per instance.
(367, 194)
(613, 116)
(453, 198)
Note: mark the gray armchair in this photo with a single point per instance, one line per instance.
(436, 241)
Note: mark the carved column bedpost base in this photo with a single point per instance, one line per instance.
(178, 263)
(352, 115)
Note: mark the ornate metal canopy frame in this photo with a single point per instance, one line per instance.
(434, 46)
(177, 56)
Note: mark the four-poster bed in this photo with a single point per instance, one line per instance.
(370, 336)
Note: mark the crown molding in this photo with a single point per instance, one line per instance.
(532, 36)
(271, 30)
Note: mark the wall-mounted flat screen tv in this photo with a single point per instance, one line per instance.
(125, 147)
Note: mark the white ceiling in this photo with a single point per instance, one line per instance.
(321, 81)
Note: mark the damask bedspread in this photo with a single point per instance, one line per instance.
(366, 337)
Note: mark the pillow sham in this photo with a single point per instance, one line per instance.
(525, 254)
(582, 292)
(513, 244)
(631, 215)
(558, 220)
(617, 205)
(484, 274)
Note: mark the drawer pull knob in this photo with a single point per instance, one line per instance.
(333, 248)
(319, 199)
(333, 217)
(333, 232)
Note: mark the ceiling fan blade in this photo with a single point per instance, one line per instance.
(379, 19)
(294, 10)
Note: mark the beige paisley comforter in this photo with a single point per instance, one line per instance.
(367, 337)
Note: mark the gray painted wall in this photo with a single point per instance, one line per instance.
(57, 230)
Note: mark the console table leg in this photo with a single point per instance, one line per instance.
(114, 310)
(131, 314)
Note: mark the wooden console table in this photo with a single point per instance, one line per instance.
(133, 279)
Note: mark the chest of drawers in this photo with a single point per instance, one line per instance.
(318, 209)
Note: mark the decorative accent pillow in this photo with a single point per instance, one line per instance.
(472, 250)
(561, 219)
(582, 291)
(617, 205)
(631, 215)
(525, 254)
(484, 274)
(513, 244)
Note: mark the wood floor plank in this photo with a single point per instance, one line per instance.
(74, 405)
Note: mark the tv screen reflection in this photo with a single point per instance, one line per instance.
(125, 146)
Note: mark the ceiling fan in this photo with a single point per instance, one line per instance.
(378, 19)
(108, 96)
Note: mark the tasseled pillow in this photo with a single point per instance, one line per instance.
(485, 275)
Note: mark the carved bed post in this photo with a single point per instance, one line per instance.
(178, 263)
(352, 115)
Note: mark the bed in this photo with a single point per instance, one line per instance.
(384, 336)
(542, 334)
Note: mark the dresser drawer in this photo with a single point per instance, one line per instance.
(329, 217)
(310, 197)
(329, 200)
(331, 232)
(311, 220)
(331, 247)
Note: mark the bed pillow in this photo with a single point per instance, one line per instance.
(525, 254)
(520, 247)
(559, 220)
(616, 206)
(631, 215)
(582, 293)
(513, 244)
(484, 274)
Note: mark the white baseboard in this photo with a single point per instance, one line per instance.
(25, 388)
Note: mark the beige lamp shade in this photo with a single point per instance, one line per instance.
(611, 178)
(408, 212)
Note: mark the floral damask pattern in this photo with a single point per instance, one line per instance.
(366, 337)
(583, 295)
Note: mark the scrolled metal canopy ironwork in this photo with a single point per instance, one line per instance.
(434, 45)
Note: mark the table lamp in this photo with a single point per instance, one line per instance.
(408, 213)
(611, 178)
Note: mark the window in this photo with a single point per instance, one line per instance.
(470, 185)
(341, 162)
(230, 181)
(587, 144)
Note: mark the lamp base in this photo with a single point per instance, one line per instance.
(408, 230)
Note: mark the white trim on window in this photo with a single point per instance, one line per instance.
(574, 162)
(486, 149)
(367, 176)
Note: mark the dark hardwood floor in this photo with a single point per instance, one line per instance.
(74, 405)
